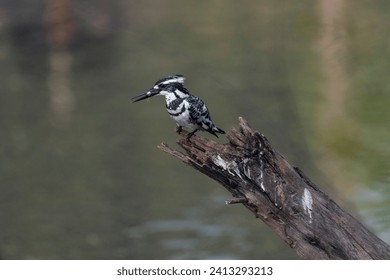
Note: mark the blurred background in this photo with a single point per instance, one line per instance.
(80, 173)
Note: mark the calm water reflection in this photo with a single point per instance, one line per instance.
(81, 176)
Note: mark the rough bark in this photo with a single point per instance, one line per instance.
(280, 195)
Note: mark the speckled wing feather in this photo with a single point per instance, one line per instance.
(200, 115)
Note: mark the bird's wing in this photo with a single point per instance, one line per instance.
(199, 114)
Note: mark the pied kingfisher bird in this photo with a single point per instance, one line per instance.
(186, 109)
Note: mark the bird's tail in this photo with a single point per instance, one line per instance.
(216, 130)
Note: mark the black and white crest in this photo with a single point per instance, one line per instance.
(187, 110)
(171, 80)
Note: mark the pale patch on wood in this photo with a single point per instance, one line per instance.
(307, 203)
(228, 166)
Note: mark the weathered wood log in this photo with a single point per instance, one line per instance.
(280, 195)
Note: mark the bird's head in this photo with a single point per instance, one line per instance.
(164, 86)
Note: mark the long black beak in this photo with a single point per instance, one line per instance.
(146, 94)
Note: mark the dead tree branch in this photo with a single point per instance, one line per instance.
(281, 196)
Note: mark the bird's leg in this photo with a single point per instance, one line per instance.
(189, 135)
(179, 129)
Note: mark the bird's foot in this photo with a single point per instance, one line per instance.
(189, 135)
(179, 129)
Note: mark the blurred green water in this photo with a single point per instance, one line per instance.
(81, 176)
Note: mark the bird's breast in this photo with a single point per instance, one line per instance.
(181, 114)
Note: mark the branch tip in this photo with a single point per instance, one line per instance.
(236, 200)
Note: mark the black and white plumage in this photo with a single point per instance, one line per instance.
(187, 110)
